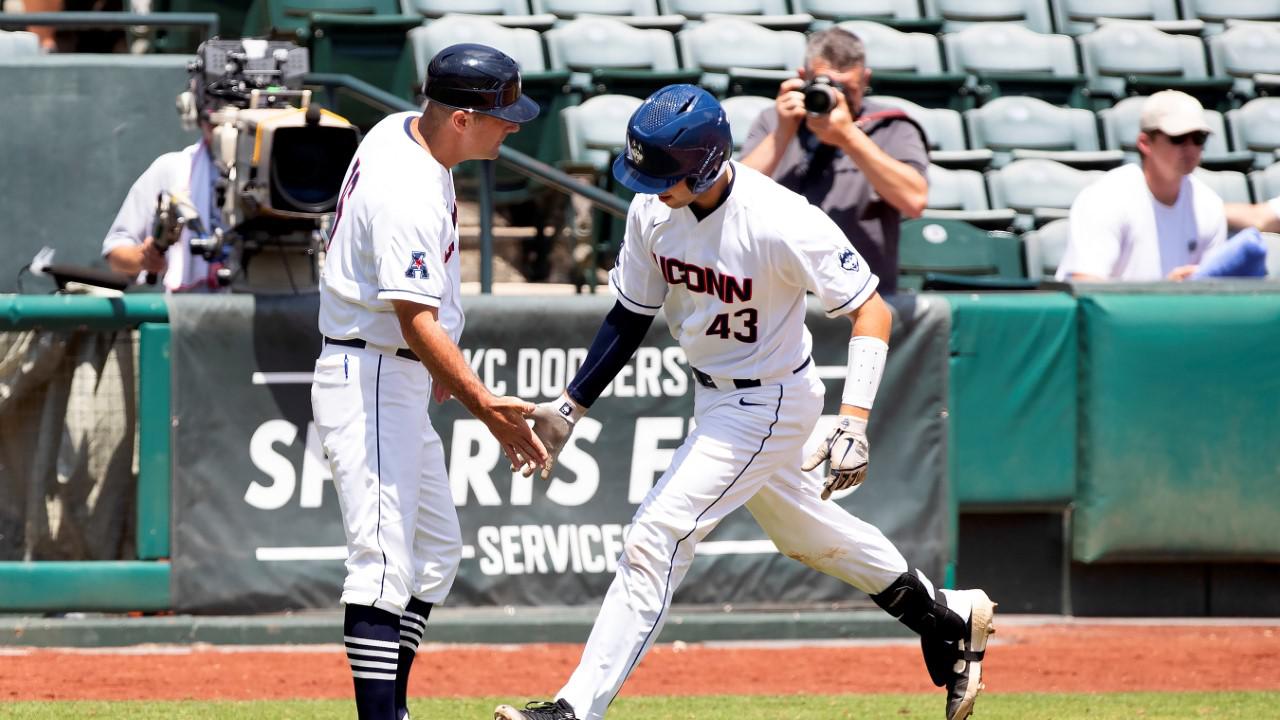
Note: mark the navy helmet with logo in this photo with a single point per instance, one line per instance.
(678, 132)
(470, 76)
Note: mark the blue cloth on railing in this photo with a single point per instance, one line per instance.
(1242, 255)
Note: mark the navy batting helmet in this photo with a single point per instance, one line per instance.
(469, 76)
(678, 132)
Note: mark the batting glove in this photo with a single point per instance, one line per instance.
(553, 423)
(847, 449)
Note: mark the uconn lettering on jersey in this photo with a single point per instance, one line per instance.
(704, 280)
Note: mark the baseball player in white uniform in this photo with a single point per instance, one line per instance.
(729, 255)
(391, 316)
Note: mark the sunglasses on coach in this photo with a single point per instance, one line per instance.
(1199, 138)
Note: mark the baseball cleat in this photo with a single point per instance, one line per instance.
(966, 674)
(558, 710)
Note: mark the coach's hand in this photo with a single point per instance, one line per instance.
(505, 418)
(553, 423)
(847, 449)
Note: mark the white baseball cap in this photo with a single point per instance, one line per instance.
(1173, 113)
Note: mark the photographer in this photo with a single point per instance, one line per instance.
(129, 247)
(863, 164)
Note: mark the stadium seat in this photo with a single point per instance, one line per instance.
(1217, 14)
(717, 46)
(594, 133)
(930, 246)
(1231, 186)
(1256, 127)
(1045, 247)
(1120, 132)
(1008, 124)
(1133, 58)
(962, 195)
(232, 16)
(439, 8)
(944, 130)
(1009, 59)
(742, 111)
(901, 15)
(1038, 190)
(608, 56)
(373, 48)
(290, 19)
(1077, 17)
(1266, 183)
(1244, 50)
(909, 65)
(695, 9)
(568, 9)
(18, 44)
(959, 14)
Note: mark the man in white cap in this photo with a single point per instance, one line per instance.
(1152, 221)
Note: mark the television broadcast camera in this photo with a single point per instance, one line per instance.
(280, 158)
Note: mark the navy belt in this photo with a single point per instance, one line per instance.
(706, 380)
(405, 353)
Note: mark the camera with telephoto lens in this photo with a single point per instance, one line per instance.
(821, 95)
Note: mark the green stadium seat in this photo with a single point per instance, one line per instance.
(742, 111)
(1218, 14)
(958, 252)
(440, 8)
(959, 14)
(1008, 124)
(607, 56)
(1232, 186)
(944, 129)
(1133, 58)
(290, 19)
(901, 15)
(962, 195)
(1009, 59)
(696, 9)
(1077, 17)
(232, 16)
(717, 46)
(1120, 132)
(373, 48)
(569, 9)
(595, 132)
(1243, 51)
(1256, 127)
(909, 65)
(1045, 247)
(1266, 183)
(1038, 190)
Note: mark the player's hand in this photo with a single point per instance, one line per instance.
(790, 103)
(847, 450)
(150, 258)
(553, 423)
(833, 128)
(505, 418)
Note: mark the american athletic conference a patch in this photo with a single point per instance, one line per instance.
(849, 260)
(418, 266)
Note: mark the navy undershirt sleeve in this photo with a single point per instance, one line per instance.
(620, 334)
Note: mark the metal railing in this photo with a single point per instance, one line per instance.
(98, 20)
(510, 158)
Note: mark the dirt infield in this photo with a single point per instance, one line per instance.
(1067, 657)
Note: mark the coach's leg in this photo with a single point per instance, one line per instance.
(437, 551)
(362, 413)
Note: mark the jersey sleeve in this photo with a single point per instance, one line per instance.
(1093, 246)
(636, 278)
(408, 256)
(815, 254)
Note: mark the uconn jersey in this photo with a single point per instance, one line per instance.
(394, 237)
(733, 283)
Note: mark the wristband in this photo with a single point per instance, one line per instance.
(866, 366)
(569, 409)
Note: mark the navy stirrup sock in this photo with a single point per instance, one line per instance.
(413, 624)
(372, 639)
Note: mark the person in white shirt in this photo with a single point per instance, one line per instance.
(1153, 221)
(391, 316)
(129, 248)
(729, 255)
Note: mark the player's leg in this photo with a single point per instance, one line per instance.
(437, 550)
(953, 624)
(364, 411)
(723, 462)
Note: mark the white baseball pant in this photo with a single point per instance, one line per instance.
(370, 409)
(746, 449)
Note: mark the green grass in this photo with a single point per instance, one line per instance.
(1147, 706)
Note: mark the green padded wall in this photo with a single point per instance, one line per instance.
(1179, 427)
(1012, 399)
(78, 130)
